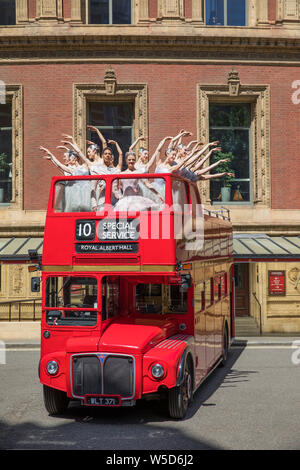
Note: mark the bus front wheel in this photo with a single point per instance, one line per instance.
(56, 401)
(181, 396)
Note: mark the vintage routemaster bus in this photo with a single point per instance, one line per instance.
(137, 291)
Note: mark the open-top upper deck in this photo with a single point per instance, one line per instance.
(130, 221)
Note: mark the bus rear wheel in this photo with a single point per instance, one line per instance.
(56, 402)
(181, 396)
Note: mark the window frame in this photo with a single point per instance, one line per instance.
(8, 128)
(250, 133)
(225, 5)
(259, 96)
(14, 94)
(85, 93)
(110, 14)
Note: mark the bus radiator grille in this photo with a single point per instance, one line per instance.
(118, 376)
(87, 376)
(103, 374)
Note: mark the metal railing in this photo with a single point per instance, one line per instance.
(260, 315)
(223, 212)
(14, 312)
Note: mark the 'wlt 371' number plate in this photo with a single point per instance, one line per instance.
(102, 400)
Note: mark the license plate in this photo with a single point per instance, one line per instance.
(102, 400)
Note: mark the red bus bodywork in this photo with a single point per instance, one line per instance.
(169, 314)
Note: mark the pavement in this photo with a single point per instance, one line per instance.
(265, 340)
(239, 341)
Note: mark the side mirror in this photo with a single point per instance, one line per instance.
(35, 284)
(186, 281)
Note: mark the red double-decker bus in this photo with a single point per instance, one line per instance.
(137, 291)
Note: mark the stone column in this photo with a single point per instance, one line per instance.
(262, 12)
(77, 11)
(22, 11)
(142, 7)
(198, 11)
(252, 12)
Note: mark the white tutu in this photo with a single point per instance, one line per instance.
(136, 203)
(78, 193)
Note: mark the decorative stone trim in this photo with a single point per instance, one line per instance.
(83, 93)
(288, 11)
(259, 97)
(170, 10)
(49, 10)
(14, 94)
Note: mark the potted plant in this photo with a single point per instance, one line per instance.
(225, 167)
(4, 168)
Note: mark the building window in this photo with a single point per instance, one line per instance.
(226, 12)
(115, 122)
(230, 124)
(8, 12)
(5, 153)
(109, 11)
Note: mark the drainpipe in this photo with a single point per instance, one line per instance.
(260, 320)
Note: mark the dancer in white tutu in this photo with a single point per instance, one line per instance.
(101, 166)
(132, 198)
(78, 192)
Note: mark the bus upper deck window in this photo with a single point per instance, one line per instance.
(138, 194)
(79, 195)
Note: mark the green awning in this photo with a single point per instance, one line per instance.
(16, 248)
(248, 245)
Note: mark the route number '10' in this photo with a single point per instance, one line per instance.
(85, 230)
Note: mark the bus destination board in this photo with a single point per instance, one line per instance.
(118, 229)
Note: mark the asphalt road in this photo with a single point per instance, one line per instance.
(252, 403)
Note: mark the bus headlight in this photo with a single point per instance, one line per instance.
(157, 371)
(52, 367)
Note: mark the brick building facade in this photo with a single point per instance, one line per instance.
(175, 62)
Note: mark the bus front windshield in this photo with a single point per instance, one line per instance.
(71, 300)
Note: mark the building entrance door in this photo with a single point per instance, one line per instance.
(241, 276)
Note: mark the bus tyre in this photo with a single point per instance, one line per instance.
(224, 348)
(181, 396)
(56, 401)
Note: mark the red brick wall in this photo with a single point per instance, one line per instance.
(48, 108)
(188, 8)
(31, 8)
(67, 8)
(272, 9)
(153, 9)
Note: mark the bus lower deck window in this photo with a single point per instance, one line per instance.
(161, 299)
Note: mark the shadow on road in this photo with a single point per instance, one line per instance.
(144, 427)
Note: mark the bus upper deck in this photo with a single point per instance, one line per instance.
(141, 221)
